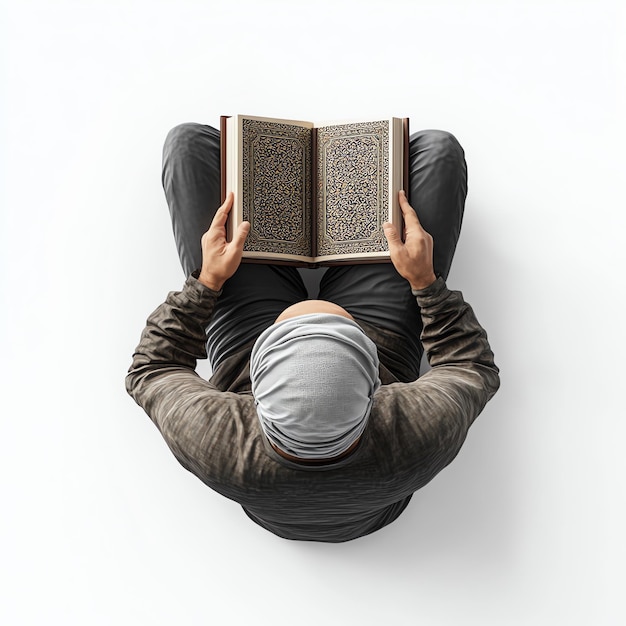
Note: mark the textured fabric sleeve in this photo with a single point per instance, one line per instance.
(431, 416)
(172, 341)
(463, 367)
(205, 428)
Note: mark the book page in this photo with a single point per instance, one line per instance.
(276, 186)
(353, 188)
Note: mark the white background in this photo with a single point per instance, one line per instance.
(99, 524)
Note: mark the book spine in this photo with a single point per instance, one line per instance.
(223, 119)
(314, 185)
(405, 159)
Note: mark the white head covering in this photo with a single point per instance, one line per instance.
(313, 379)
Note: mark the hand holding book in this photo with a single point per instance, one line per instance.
(221, 258)
(413, 258)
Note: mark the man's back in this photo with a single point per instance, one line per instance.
(414, 430)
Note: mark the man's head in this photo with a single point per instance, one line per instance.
(314, 374)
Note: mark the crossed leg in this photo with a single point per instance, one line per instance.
(256, 294)
(376, 294)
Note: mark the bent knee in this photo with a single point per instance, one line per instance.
(185, 135)
(439, 141)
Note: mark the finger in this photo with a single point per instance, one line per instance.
(221, 216)
(240, 235)
(408, 212)
(392, 235)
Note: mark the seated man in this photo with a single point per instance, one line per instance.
(315, 419)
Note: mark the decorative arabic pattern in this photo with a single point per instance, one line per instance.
(276, 192)
(353, 187)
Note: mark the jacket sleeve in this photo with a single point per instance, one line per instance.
(172, 341)
(200, 424)
(451, 333)
(432, 415)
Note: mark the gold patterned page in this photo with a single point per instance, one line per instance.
(276, 187)
(352, 187)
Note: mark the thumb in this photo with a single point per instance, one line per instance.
(240, 235)
(391, 233)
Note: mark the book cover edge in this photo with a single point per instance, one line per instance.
(316, 262)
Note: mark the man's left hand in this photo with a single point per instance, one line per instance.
(221, 258)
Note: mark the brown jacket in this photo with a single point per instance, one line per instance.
(415, 428)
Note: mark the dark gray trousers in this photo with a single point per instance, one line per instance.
(372, 293)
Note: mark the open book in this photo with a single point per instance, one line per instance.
(314, 194)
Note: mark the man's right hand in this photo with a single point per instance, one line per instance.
(413, 258)
(221, 258)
